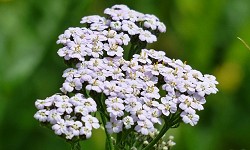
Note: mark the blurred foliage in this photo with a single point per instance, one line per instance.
(204, 33)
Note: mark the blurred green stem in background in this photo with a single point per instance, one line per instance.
(244, 43)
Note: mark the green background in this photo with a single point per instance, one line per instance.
(203, 33)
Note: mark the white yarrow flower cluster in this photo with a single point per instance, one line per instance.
(69, 116)
(134, 90)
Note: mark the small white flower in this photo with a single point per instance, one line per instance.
(87, 131)
(54, 116)
(144, 127)
(92, 19)
(95, 85)
(113, 49)
(89, 104)
(115, 126)
(95, 49)
(167, 106)
(128, 122)
(154, 115)
(185, 103)
(40, 104)
(190, 117)
(90, 121)
(98, 26)
(60, 127)
(74, 127)
(64, 107)
(69, 72)
(72, 83)
(147, 36)
(116, 25)
(76, 100)
(202, 88)
(132, 105)
(81, 109)
(41, 115)
(124, 39)
(198, 101)
(151, 92)
(130, 27)
(161, 27)
(150, 23)
(116, 110)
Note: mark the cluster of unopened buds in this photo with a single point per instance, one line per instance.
(114, 82)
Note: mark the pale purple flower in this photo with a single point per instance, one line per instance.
(130, 27)
(92, 19)
(116, 110)
(60, 127)
(72, 83)
(154, 115)
(144, 127)
(116, 25)
(142, 57)
(95, 49)
(190, 117)
(161, 27)
(124, 39)
(81, 109)
(69, 134)
(167, 106)
(95, 85)
(64, 52)
(95, 64)
(76, 100)
(203, 88)
(114, 126)
(128, 122)
(150, 23)
(69, 72)
(54, 116)
(90, 121)
(185, 86)
(148, 103)
(77, 49)
(89, 104)
(113, 49)
(185, 102)
(40, 104)
(111, 35)
(110, 88)
(64, 107)
(112, 100)
(151, 92)
(198, 101)
(196, 74)
(140, 114)
(74, 127)
(132, 104)
(41, 115)
(64, 38)
(98, 26)
(87, 131)
(147, 36)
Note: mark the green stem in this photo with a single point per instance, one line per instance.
(75, 146)
(155, 140)
(109, 143)
(118, 140)
(131, 51)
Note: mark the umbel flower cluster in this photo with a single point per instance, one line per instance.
(115, 82)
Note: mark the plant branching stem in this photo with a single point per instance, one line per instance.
(157, 138)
